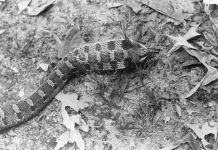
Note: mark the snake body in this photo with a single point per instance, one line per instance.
(110, 55)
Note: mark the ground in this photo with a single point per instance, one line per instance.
(140, 109)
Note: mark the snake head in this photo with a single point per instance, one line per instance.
(136, 50)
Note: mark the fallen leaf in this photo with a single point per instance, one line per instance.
(83, 126)
(201, 44)
(178, 110)
(21, 93)
(70, 137)
(76, 137)
(170, 147)
(183, 40)
(73, 123)
(68, 122)
(22, 5)
(2, 31)
(191, 33)
(36, 10)
(68, 100)
(113, 4)
(204, 130)
(14, 69)
(203, 57)
(84, 101)
(62, 140)
(136, 6)
(212, 73)
(207, 2)
(71, 100)
(132, 144)
(180, 41)
(166, 119)
(43, 66)
(193, 90)
(174, 9)
(212, 103)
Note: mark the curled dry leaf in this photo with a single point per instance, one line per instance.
(212, 73)
(205, 129)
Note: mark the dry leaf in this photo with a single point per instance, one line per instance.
(113, 5)
(166, 119)
(204, 130)
(68, 100)
(72, 123)
(212, 73)
(43, 66)
(203, 57)
(62, 140)
(71, 100)
(22, 5)
(68, 122)
(204, 48)
(74, 134)
(207, 2)
(180, 41)
(136, 7)
(21, 93)
(170, 147)
(178, 110)
(36, 10)
(174, 9)
(2, 31)
(76, 137)
(70, 137)
(192, 90)
(14, 69)
(183, 41)
(191, 33)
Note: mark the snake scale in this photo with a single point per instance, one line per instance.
(100, 56)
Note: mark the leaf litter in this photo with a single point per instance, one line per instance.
(75, 123)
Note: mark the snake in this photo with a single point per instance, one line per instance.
(100, 56)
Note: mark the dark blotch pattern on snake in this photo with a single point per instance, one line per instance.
(110, 55)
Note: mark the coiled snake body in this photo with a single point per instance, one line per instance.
(110, 55)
